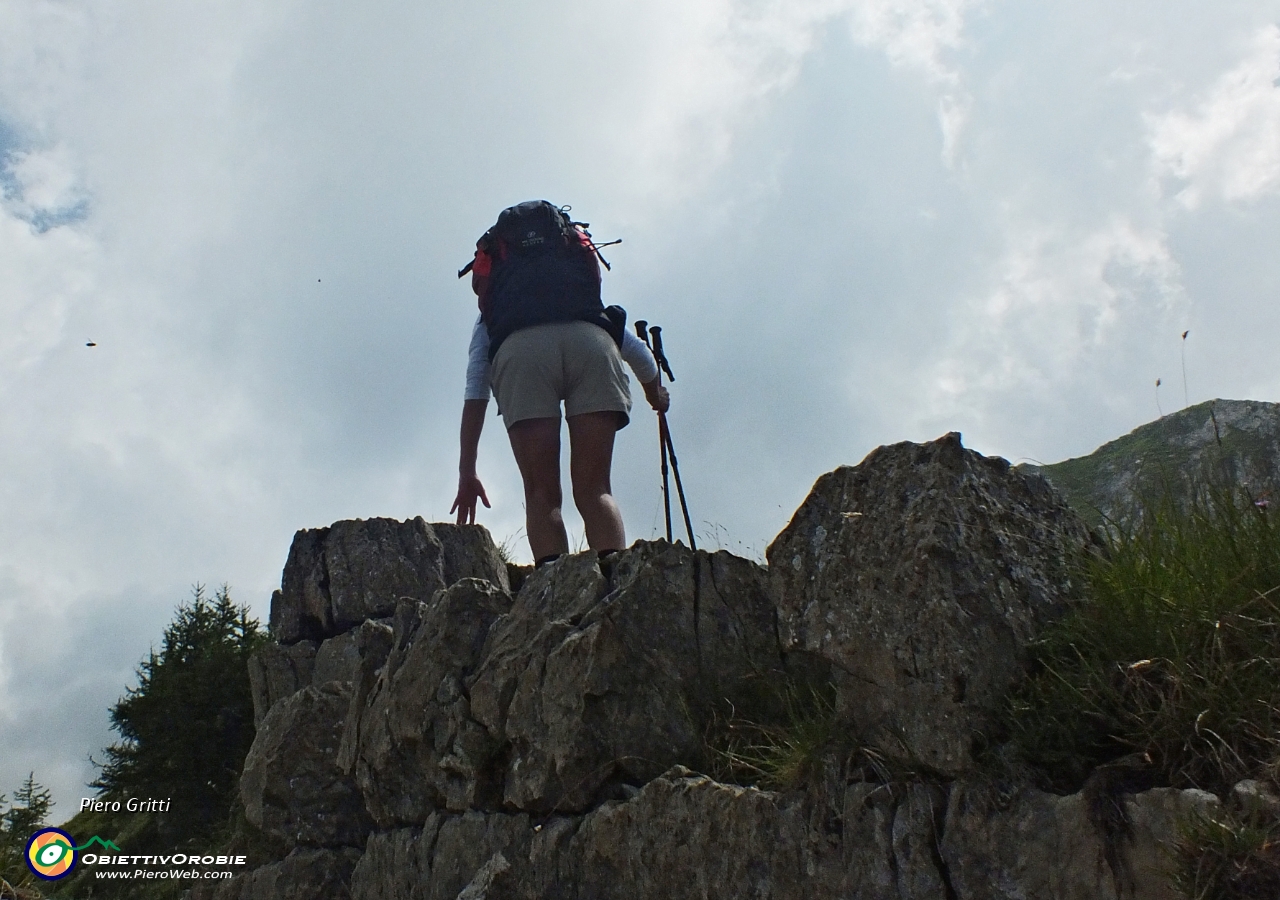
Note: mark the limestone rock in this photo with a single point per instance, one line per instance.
(922, 574)
(469, 552)
(686, 837)
(373, 642)
(341, 658)
(1251, 798)
(305, 874)
(337, 577)
(292, 786)
(418, 747)
(489, 883)
(1040, 845)
(278, 671)
(601, 677)
(444, 857)
(673, 841)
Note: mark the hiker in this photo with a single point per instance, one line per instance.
(543, 337)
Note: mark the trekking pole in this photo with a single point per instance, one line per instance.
(642, 330)
(669, 448)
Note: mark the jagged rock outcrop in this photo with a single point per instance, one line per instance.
(592, 678)
(922, 574)
(416, 747)
(461, 743)
(686, 836)
(337, 577)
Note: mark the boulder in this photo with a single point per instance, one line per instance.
(277, 671)
(337, 577)
(292, 786)
(922, 575)
(603, 677)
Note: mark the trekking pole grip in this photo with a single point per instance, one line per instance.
(658, 354)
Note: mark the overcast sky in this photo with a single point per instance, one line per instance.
(859, 222)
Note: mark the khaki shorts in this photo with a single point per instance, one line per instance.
(576, 362)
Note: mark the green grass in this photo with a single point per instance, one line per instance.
(779, 743)
(1176, 659)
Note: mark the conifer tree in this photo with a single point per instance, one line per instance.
(188, 724)
(27, 815)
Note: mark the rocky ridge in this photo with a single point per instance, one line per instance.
(1234, 442)
(423, 733)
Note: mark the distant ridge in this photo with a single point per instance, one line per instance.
(1237, 440)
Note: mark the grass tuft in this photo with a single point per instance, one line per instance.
(775, 752)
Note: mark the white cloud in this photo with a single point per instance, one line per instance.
(1228, 146)
(916, 34)
(46, 275)
(920, 35)
(718, 66)
(42, 185)
(1063, 307)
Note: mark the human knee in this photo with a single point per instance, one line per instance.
(592, 496)
(544, 495)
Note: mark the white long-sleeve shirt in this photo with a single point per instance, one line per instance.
(634, 353)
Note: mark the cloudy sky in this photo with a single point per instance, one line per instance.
(859, 222)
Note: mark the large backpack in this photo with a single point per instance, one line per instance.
(536, 266)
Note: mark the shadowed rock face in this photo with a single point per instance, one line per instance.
(922, 574)
(592, 678)
(685, 837)
(417, 747)
(305, 874)
(291, 786)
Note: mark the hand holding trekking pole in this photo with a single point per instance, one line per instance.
(658, 396)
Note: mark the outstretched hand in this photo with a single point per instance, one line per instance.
(469, 488)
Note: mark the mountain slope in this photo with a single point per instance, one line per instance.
(1237, 441)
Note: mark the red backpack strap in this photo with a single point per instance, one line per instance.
(481, 266)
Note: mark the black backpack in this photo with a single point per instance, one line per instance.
(536, 266)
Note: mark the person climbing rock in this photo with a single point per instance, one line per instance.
(544, 338)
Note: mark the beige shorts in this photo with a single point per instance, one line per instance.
(576, 362)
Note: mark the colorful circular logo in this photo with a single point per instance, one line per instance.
(51, 853)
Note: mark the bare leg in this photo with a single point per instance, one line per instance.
(590, 461)
(536, 444)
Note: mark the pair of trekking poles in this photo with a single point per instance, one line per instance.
(652, 337)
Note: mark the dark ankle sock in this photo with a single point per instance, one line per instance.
(546, 559)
